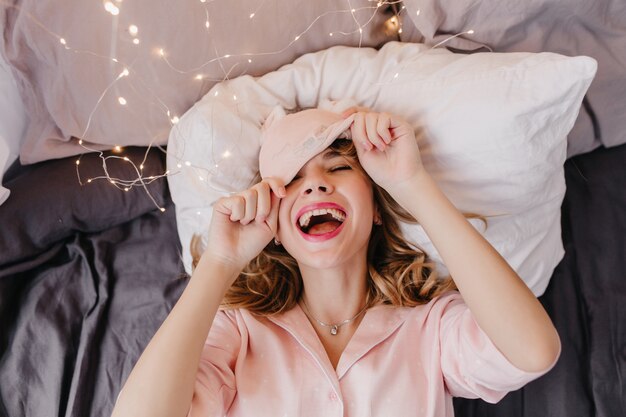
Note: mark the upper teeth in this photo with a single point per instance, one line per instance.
(306, 217)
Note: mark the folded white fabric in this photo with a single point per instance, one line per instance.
(491, 128)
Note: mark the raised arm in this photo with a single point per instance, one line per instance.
(162, 381)
(501, 303)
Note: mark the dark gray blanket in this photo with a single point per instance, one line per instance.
(88, 273)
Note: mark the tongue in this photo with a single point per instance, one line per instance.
(326, 227)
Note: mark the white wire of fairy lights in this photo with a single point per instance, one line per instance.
(115, 8)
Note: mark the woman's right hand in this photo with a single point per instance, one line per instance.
(244, 223)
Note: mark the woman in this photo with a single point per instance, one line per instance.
(326, 309)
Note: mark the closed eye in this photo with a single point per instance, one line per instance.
(340, 168)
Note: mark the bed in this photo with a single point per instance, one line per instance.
(88, 271)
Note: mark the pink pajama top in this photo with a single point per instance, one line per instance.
(399, 362)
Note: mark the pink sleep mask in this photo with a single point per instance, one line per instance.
(288, 142)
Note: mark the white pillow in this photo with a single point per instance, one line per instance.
(491, 129)
(12, 122)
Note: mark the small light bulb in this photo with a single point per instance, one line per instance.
(63, 42)
(207, 24)
(251, 15)
(199, 77)
(471, 31)
(121, 100)
(162, 209)
(175, 119)
(141, 167)
(126, 159)
(77, 162)
(117, 149)
(111, 8)
(188, 163)
(136, 41)
(297, 37)
(133, 30)
(226, 154)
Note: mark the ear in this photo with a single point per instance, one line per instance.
(275, 115)
(378, 219)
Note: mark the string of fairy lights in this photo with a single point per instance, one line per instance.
(392, 26)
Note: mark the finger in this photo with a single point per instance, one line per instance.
(263, 201)
(359, 136)
(371, 124)
(251, 197)
(354, 109)
(272, 218)
(277, 186)
(223, 206)
(396, 121)
(232, 206)
(382, 127)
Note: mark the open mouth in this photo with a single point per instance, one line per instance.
(321, 221)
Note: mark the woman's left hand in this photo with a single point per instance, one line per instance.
(386, 147)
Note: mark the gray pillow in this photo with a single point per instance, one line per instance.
(48, 203)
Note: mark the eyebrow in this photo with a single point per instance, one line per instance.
(331, 155)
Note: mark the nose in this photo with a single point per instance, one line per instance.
(317, 183)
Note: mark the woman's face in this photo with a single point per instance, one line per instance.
(326, 218)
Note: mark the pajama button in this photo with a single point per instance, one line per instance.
(333, 396)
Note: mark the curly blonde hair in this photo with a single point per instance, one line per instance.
(399, 273)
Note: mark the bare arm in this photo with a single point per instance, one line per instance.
(503, 306)
(162, 381)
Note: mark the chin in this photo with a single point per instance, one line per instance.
(332, 258)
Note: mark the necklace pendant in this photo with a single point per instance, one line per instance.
(334, 330)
